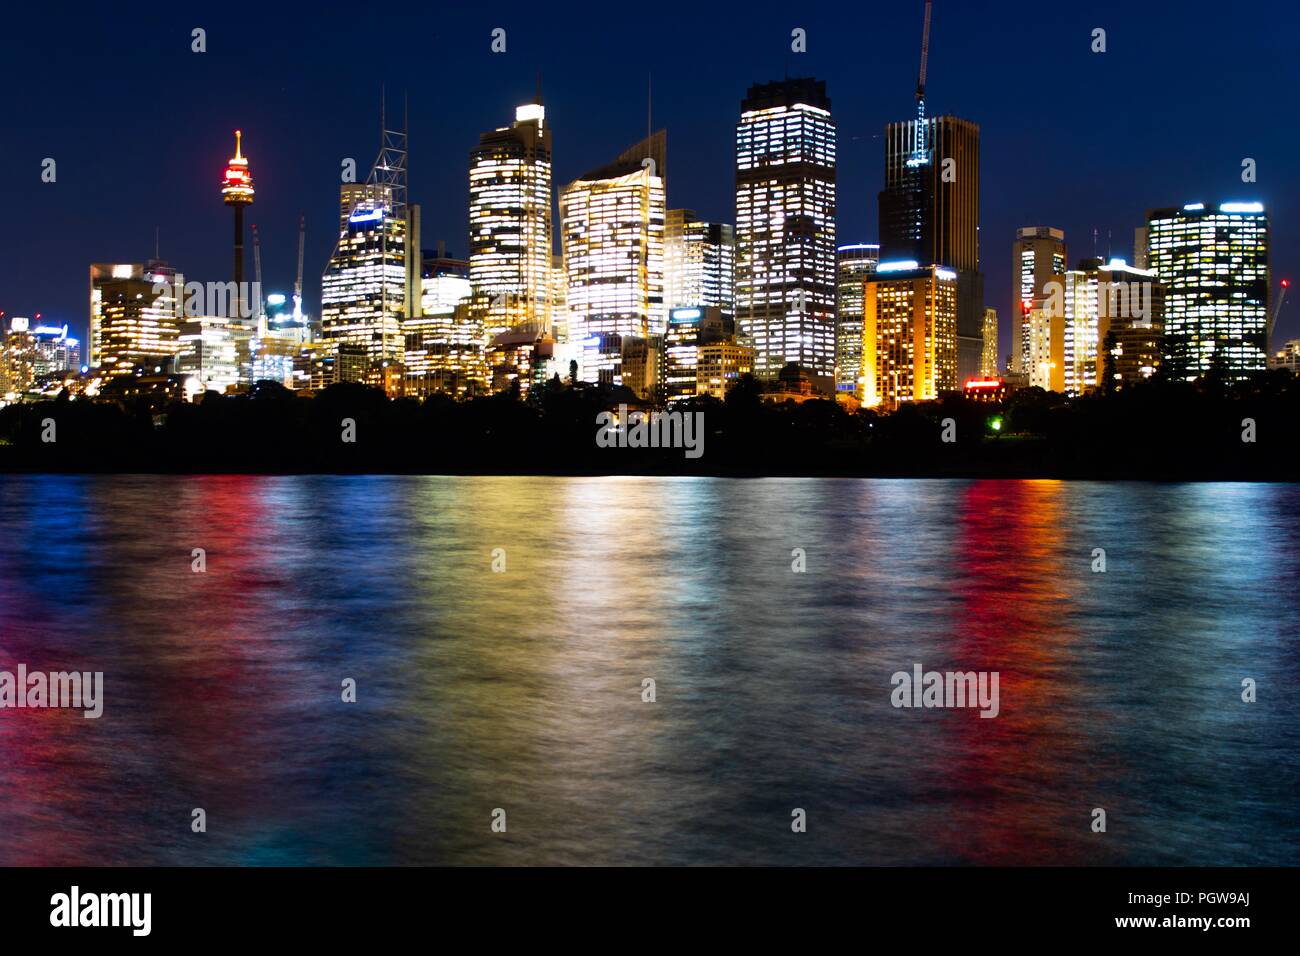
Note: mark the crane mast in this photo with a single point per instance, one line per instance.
(920, 155)
(257, 279)
(1277, 309)
(297, 285)
(925, 56)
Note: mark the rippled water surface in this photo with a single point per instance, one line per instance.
(522, 690)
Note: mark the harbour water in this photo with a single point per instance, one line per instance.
(523, 689)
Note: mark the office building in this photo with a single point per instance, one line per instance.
(853, 264)
(699, 262)
(929, 214)
(135, 314)
(612, 222)
(910, 334)
(1037, 255)
(374, 276)
(989, 357)
(1213, 262)
(785, 226)
(510, 197)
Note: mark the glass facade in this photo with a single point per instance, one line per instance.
(785, 226)
(1214, 266)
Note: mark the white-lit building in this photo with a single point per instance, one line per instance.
(510, 196)
(612, 222)
(785, 226)
(699, 262)
(1213, 262)
(853, 264)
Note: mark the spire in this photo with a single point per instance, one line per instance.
(238, 144)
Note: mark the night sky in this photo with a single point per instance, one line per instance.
(141, 127)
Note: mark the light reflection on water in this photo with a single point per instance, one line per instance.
(522, 690)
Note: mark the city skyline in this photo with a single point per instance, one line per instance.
(193, 230)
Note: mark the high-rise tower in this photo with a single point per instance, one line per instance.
(1214, 265)
(373, 278)
(855, 263)
(785, 226)
(1037, 255)
(510, 222)
(612, 221)
(929, 208)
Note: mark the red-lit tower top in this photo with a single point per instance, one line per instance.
(237, 184)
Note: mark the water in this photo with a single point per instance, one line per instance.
(522, 690)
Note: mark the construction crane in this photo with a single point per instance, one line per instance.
(920, 155)
(297, 285)
(257, 279)
(925, 56)
(1277, 309)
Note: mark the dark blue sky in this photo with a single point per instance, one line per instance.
(141, 127)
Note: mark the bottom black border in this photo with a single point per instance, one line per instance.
(659, 907)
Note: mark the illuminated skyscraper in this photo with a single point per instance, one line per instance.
(929, 214)
(445, 351)
(1037, 255)
(1082, 308)
(613, 230)
(785, 226)
(373, 278)
(854, 264)
(130, 323)
(989, 357)
(559, 299)
(910, 334)
(510, 222)
(209, 352)
(445, 282)
(1046, 363)
(699, 262)
(689, 328)
(1214, 266)
(18, 358)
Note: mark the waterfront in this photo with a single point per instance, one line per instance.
(523, 689)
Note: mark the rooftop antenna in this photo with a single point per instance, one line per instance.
(649, 105)
(538, 99)
(156, 246)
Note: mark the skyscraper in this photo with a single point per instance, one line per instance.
(510, 222)
(910, 334)
(372, 281)
(1096, 301)
(135, 315)
(1037, 255)
(612, 222)
(853, 264)
(699, 262)
(1214, 265)
(989, 358)
(929, 214)
(785, 226)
